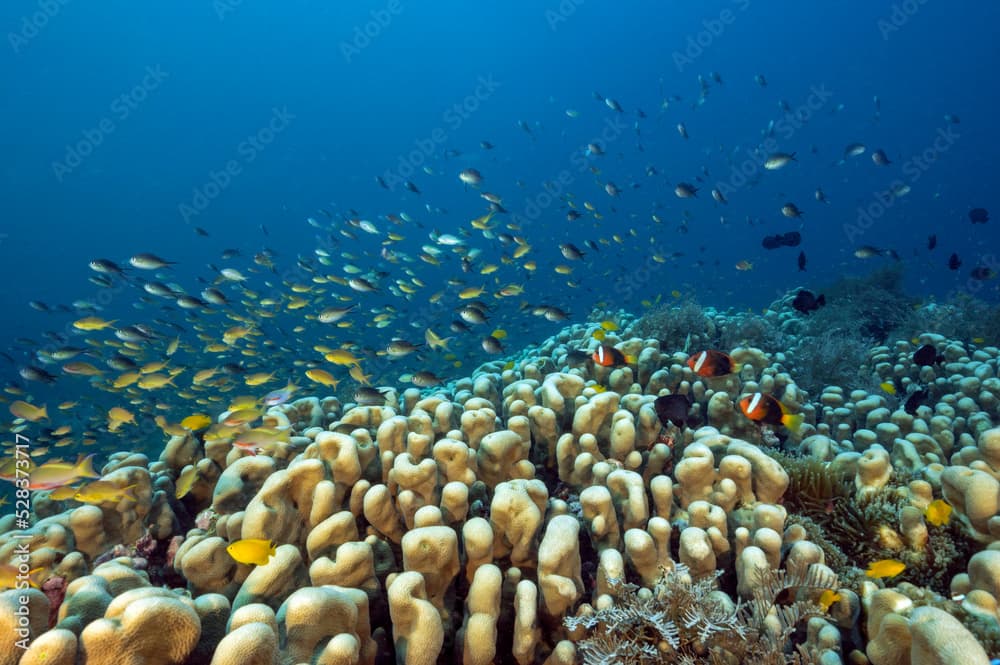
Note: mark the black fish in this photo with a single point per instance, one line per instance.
(381, 182)
(366, 396)
(806, 301)
(982, 273)
(672, 409)
(979, 215)
(954, 263)
(932, 242)
(410, 186)
(802, 261)
(790, 239)
(914, 401)
(927, 355)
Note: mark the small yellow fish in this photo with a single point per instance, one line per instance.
(499, 333)
(599, 334)
(888, 386)
(185, 481)
(155, 381)
(610, 326)
(29, 412)
(938, 512)
(196, 422)
(256, 551)
(341, 357)
(885, 568)
(118, 415)
(63, 493)
(322, 377)
(828, 598)
(258, 378)
(241, 417)
(358, 375)
(978, 340)
(103, 491)
(92, 323)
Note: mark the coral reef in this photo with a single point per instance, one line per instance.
(538, 511)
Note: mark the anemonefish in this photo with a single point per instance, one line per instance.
(609, 356)
(766, 410)
(711, 363)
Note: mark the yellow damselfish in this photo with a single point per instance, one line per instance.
(885, 568)
(256, 551)
(938, 513)
(828, 598)
(196, 422)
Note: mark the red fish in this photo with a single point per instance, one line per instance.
(766, 410)
(711, 363)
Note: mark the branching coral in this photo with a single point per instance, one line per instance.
(673, 325)
(748, 329)
(694, 623)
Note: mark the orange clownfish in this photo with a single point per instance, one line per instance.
(711, 363)
(609, 356)
(766, 410)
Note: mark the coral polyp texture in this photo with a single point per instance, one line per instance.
(541, 511)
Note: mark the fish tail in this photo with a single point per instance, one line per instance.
(85, 467)
(129, 493)
(36, 576)
(793, 421)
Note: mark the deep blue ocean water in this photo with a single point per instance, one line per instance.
(121, 119)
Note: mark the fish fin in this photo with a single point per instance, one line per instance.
(129, 492)
(85, 467)
(35, 578)
(793, 421)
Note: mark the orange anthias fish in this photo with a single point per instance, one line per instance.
(711, 363)
(56, 474)
(766, 410)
